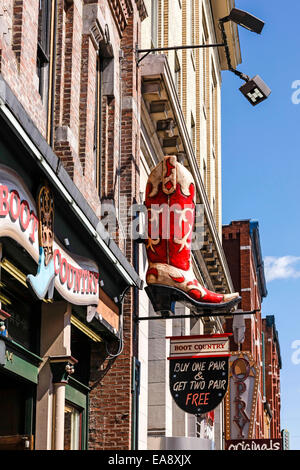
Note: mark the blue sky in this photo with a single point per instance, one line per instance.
(261, 170)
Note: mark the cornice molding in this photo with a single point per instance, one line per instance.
(123, 9)
(120, 11)
(141, 9)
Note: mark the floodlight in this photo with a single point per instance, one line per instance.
(255, 90)
(246, 20)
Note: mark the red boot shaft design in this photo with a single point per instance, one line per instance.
(170, 200)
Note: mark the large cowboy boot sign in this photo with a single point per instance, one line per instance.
(170, 201)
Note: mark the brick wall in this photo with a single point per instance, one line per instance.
(115, 413)
(18, 50)
(74, 85)
(238, 249)
(272, 377)
(81, 28)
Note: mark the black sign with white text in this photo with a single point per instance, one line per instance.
(198, 385)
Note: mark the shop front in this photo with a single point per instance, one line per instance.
(62, 285)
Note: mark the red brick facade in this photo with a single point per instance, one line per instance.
(18, 46)
(242, 248)
(67, 122)
(272, 373)
(112, 418)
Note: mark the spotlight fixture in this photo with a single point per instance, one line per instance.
(246, 20)
(255, 90)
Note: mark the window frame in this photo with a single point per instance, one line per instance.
(97, 146)
(77, 395)
(43, 45)
(154, 23)
(177, 74)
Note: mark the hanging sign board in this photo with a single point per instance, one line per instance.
(199, 371)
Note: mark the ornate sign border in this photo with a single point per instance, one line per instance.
(248, 356)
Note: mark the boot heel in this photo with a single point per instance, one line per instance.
(161, 299)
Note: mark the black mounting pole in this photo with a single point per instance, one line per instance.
(224, 44)
(172, 48)
(201, 315)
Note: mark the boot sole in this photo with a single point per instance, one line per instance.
(164, 298)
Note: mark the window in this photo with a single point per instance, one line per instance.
(177, 70)
(199, 424)
(17, 406)
(193, 133)
(24, 323)
(192, 23)
(45, 65)
(73, 424)
(43, 46)
(154, 23)
(97, 125)
(214, 109)
(263, 363)
(205, 56)
(204, 174)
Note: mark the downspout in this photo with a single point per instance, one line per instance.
(120, 136)
(50, 130)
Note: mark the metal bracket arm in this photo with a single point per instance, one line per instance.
(171, 48)
(201, 315)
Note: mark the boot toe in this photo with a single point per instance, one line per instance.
(229, 297)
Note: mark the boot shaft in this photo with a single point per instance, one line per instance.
(170, 200)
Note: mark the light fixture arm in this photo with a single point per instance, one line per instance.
(255, 90)
(224, 38)
(199, 315)
(197, 46)
(171, 48)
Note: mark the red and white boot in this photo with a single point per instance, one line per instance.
(170, 201)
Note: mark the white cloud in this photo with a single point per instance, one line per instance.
(283, 267)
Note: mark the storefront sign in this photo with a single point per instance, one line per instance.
(75, 278)
(198, 371)
(199, 346)
(241, 398)
(254, 444)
